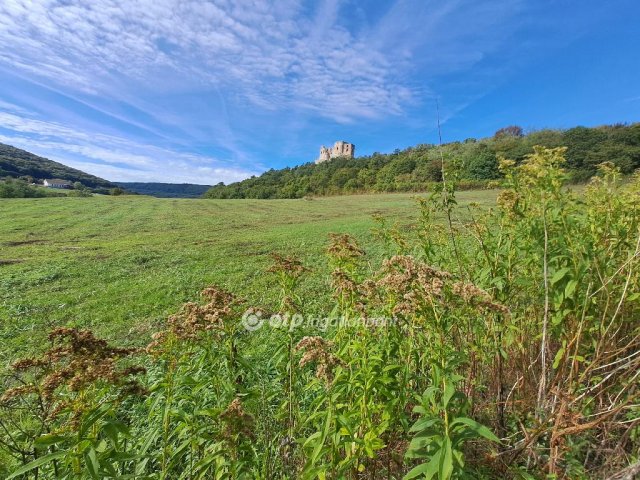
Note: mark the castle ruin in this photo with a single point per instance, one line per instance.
(340, 149)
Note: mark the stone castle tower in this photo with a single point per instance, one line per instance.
(340, 149)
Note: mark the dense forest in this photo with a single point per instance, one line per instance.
(165, 190)
(16, 163)
(411, 169)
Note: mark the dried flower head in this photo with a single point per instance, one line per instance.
(318, 350)
(237, 421)
(411, 283)
(477, 297)
(290, 266)
(193, 318)
(508, 201)
(16, 392)
(368, 293)
(342, 283)
(344, 247)
(76, 361)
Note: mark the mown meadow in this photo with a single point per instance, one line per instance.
(67, 260)
(489, 334)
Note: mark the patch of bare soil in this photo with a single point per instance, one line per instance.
(18, 243)
(10, 261)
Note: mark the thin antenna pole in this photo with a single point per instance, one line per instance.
(440, 145)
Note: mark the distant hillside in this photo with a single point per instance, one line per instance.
(166, 190)
(414, 168)
(16, 163)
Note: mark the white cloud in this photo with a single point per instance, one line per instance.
(12, 107)
(274, 59)
(115, 158)
(272, 54)
(261, 51)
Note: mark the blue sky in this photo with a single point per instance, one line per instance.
(208, 91)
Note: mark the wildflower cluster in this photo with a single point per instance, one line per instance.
(414, 285)
(289, 265)
(411, 283)
(193, 318)
(76, 361)
(343, 247)
(318, 350)
(289, 270)
(477, 297)
(345, 255)
(342, 283)
(237, 421)
(508, 201)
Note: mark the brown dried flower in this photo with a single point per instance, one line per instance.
(317, 350)
(237, 421)
(476, 296)
(193, 318)
(411, 283)
(343, 284)
(344, 247)
(16, 392)
(290, 266)
(77, 360)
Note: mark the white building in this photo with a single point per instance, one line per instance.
(57, 183)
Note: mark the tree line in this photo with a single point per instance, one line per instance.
(415, 167)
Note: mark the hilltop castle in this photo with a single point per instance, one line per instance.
(340, 149)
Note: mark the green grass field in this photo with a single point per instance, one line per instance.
(120, 265)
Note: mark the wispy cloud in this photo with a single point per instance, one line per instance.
(238, 77)
(262, 50)
(116, 158)
(273, 54)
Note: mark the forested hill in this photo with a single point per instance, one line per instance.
(412, 169)
(16, 163)
(167, 190)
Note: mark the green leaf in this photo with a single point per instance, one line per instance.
(423, 424)
(318, 448)
(558, 357)
(633, 296)
(479, 429)
(48, 440)
(38, 462)
(570, 288)
(445, 469)
(421, 469)
(92, 417)
(113, 429)
(102, 446)
(449, 390)
(559, 275)
(525, 475)
(311, 438)
(108, 470)
(93, 466)
(428, 470)
(126, 456)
